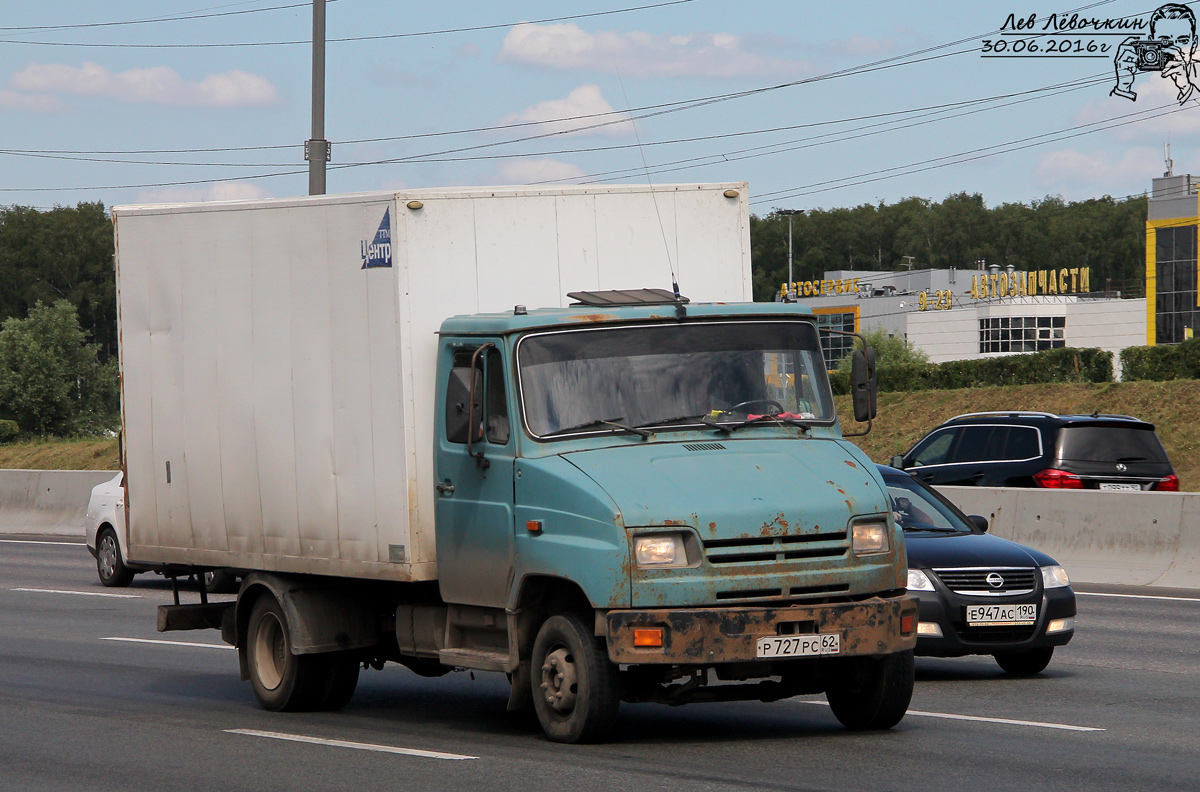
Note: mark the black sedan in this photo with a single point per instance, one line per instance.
(979, 594)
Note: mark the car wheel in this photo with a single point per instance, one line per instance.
(220, 581)
(1026, 663)
(109, 564)
(872, 693)
(576, 690)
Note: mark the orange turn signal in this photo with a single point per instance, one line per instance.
(648, 637)
(906, 624)
(534, 526)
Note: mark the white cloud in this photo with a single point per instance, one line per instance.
(221, 191)
(567, 46)
(1155, 96)
(31, 103)
(157, 85)
(532, 171)
(586, 104)
(1099, 172)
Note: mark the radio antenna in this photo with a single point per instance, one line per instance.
(679, 309)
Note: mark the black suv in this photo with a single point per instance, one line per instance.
(1035, 449)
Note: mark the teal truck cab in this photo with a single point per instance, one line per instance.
(652, 501)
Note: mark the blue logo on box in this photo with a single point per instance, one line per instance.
(378, 253)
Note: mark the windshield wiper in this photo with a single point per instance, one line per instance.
(763, 418)
(699, 418)
(602, 422)
(930, 528)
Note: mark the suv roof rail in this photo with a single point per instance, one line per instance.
(1008, 413)
(1106, 415)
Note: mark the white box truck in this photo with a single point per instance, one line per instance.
(346, 401)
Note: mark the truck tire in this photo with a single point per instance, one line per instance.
(282, 681)
(109, 564)
(576, 690)
(340, 680)
(872, 693)
(1026, 663)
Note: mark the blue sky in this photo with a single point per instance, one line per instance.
(814, 104)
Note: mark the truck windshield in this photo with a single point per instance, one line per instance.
(607, 379)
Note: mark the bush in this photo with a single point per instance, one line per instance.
(1161, 363)
(8, 430)
(1052, 365)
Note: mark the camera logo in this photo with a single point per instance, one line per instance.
(1170, 51)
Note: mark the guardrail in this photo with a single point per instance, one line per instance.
(1135, 538)
(47, 501)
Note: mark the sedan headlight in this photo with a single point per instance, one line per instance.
(660, 550)
(919, 581)
(1054, 577)
(870, 538)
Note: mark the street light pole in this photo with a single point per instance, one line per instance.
(791, 288)
(316, 150)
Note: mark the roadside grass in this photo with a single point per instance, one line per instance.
(1173, 408)
(91, 453)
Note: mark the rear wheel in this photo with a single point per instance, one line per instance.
(341, 679)
(109, 564)
(282, 681)
(872, 693)
(576, 690)
(1026, 663)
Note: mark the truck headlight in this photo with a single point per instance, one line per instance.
(660, 550)
(870, 538)
(1054, 577)
(919, 581)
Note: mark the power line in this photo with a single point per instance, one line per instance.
(378, 37)
(155, 20)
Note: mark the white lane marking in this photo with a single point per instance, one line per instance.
(80, 593)
(1005, 721)
(38, 541)
(168, 643)
(1137, 596)
(346, 744)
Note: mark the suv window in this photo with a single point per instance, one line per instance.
(975, 444)
(1110, 444)
(990, 443)
(934, 449)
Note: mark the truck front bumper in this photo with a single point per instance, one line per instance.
(700, 636)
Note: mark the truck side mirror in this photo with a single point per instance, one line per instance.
(458, 404)
(862, 384)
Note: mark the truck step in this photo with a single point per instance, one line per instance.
(478, 659)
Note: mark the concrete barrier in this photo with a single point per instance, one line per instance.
(47, 501)
(1135, 538)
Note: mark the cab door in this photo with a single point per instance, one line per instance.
(474, 470)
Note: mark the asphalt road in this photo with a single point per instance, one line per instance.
(93, 698)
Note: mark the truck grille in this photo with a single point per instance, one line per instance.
(799, 592)
(776, 548)
(974, 581)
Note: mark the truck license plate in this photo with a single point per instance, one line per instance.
(988, 615)
(800, 645)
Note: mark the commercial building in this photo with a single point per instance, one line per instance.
(1172, 216)
(956, 314)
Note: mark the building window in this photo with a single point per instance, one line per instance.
(1175, 292)
(1021, 333)
(835, 347)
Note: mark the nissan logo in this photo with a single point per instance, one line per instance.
(1122, 467)
(994, 580)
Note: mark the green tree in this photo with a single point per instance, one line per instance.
(51, 379)
(889, 351)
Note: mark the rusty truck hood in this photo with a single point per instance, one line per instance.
(738, 488)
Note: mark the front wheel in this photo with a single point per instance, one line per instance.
(109, 564)
(576, 690)
(870, 693)
(1026, 663)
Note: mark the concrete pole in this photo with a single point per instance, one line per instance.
(790, 288)
(316, 150)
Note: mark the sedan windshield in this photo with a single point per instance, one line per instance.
(610, 379)
(917, 508)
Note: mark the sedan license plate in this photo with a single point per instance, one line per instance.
(1009, 615)
(800, 645)
(1115, 487)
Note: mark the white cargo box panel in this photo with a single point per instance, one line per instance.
(277, 357)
